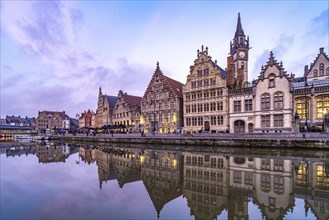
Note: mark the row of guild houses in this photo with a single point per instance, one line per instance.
(219, 100)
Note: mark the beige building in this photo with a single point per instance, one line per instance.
(311, 93)
(162, 105)
(205, 96)
(127, 111)
(104, 111)
(50, 120)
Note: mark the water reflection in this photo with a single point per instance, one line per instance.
(212, 183)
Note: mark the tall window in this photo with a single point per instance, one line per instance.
(213, 106)
(327, 71)
(278, 100)
(237, 106)
(220, 120)
(248, 105)
(188, 108)
(278, 120)
(206, 107)
(194, 108)
(265, 101)
(199, 107)
(200, 121)
(266, 121)
(213, 120)
(188, 121)
(302, 108)
(322, 106)
(321, 69)
(206, 94)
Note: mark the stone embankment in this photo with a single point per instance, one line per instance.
(278, 140)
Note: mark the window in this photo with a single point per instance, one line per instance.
(187, 96)
(266, 121)
(194, 121)
(266, 182)
(278, 184)
(206, 71)
(327, 71)
(200, 121)
(266, 164)
(278, 120)
(200, 83)
(248, 105)
(212, 93)
(194, 84)
(248, 178)
(322, 106)
(265, 101)
(321, 69)
(188, 109)
(199, 95)
(278, 100)
(237, 106)
(271, 82)
(193, 96)
(302, 111)
(213, 81)
(199, 107)
(219, 106)
(315, 73)
(237, 176)
(220, 120)
(194, 108)
(213, 120)
(206, 107)
(219, 92)
(188, 121)
(213, 106)
(206, 94)
(206, 82)
(199, 73)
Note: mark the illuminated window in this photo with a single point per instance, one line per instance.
(301, 109)
(265, 102)
(322, 178)
(322, 106)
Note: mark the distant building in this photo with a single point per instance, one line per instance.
(87, 119)
(162, 105)
(50, 120)
(104, 112)
(21, 121)
(127, 111)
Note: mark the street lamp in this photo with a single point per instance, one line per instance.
(306, 107)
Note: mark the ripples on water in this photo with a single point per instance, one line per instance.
(53, 180)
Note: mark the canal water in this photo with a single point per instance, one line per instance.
(55, 180)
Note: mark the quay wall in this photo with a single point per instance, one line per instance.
(309, 140)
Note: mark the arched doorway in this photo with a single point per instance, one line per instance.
(250, 128)
(239, 126)
(206, 126)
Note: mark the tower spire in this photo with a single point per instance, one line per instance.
(239, 31)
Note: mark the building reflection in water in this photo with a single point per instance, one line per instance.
(212, 182)
(50, 152)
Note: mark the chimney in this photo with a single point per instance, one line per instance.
(321, 50)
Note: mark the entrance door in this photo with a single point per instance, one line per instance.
(206, 126)
(250, 127)
(239, 126)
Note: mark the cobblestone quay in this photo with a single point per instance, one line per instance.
(297, 140)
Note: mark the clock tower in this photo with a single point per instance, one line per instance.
(239, 50)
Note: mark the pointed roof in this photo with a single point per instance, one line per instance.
(239, 31)
(132, 100)
(111, 100)
(176, 86)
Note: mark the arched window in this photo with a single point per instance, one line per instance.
(322, 106)
(327, 71)
(302, 107)
(315, 73)
(321, 69)
(278, 100)
(271, 80)
(265, 102)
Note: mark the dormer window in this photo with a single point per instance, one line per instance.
(321, 69)
(315, 73)
(271, 82)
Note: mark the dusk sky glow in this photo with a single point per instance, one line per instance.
(56, 54)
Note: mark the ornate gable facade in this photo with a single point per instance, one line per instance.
(127, 111)
(104, 111)
(161, 105)
(205, 96)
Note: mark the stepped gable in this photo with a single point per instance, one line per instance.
(321, 51)
(272, 61)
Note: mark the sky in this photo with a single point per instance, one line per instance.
(55, 55)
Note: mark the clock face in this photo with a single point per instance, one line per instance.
(241, 54)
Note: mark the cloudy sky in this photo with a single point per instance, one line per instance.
(56, 54)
